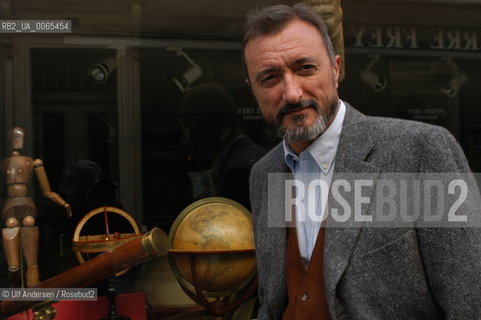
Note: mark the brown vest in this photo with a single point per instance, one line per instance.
(305, 286)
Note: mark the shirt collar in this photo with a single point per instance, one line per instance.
(323, 150)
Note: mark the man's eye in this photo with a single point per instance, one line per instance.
(269, 79)
(307, 69)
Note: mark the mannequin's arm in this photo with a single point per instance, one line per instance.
(45, 186)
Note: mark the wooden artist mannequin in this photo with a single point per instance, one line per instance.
(19, 210)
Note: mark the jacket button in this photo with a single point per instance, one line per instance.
(305, 297)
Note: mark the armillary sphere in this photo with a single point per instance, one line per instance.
(87, 244)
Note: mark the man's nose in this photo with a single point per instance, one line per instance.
(292, 90)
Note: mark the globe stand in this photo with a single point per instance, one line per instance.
(112, 295)
(44, 311)
(221, 305)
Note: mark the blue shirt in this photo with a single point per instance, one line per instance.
(314, 168)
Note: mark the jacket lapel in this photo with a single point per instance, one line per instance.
(355, 144)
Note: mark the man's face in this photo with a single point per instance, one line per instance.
(294, 80)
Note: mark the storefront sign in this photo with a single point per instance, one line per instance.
(400, 37)
(250, 113)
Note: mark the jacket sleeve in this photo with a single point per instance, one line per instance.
(255, 188)
(452, 255)
(270, 250)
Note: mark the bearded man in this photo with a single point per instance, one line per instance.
(312, 270)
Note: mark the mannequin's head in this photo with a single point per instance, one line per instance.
(16, 138)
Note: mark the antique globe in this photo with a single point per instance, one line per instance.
(212, 248)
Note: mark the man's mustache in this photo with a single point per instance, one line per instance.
(289, 107)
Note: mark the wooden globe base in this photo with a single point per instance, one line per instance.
(220, 305)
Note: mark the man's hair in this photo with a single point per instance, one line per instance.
(208, 101)
(271, 20)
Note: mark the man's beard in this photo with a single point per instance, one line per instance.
(302, 132)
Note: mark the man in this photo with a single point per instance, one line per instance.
(312, 272)
(222, 155)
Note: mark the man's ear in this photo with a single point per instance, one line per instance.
(337, 68)
(247, 81)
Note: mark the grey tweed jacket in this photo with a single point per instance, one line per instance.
(379, 273)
